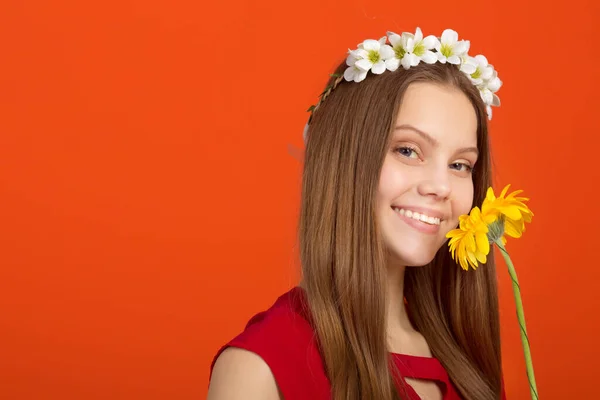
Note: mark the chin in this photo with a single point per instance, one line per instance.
(415, 258)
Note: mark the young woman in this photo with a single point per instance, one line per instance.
(396, 150)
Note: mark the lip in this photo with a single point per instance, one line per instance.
(422, 210)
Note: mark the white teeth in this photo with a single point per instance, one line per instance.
(419, 217)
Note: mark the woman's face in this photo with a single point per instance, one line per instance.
(426, 181)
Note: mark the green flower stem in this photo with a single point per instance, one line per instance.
(521, 319)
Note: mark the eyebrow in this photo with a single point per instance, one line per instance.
(432, 140)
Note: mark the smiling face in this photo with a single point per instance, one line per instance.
(426, 180)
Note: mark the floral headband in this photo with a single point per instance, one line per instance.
(409, 50)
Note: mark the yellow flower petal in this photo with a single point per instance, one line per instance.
(514, 228)
(489, 218)
(469, 243)
(490, 194)
(503, 193)
(483, 244)
(472, 259)
(482, 258)
(511, 211)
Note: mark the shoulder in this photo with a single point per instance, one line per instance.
(279, 347)
(241, 374)
(279, 330)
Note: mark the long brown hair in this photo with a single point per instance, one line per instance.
(343, 258)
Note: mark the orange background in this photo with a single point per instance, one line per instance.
(148, 200)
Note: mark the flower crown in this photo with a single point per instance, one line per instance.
(409, 50)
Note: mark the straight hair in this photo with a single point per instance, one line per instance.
(344, 260)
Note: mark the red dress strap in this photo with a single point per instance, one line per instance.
(428, 368)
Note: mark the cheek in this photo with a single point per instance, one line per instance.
(463, 200)
(387, 182)
(393, 179)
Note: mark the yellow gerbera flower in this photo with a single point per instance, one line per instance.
(469, 244)
(511, 208)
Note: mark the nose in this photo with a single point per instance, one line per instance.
(436, 185)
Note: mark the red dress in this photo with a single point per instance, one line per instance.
(283, 337)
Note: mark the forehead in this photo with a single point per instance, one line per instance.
(443, 111)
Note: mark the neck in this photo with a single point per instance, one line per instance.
(398, 322)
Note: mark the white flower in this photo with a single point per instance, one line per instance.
(468, 65)
(494, 83)
(477, 69)
(488, 90)
(488, 109)
(369, 56)
(450, 49)
(485, 78)
(355, 74)
(489, 98)
(410, 49)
